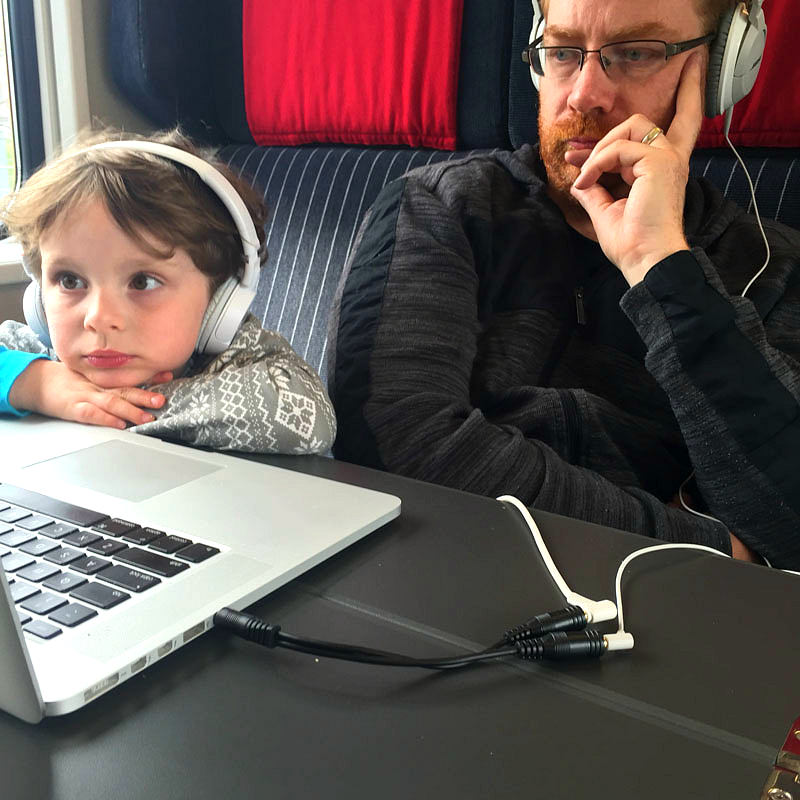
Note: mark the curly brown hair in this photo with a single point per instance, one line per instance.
(145, 194)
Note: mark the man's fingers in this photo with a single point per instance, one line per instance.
(688, 107)
(594, 199)
(616, 157)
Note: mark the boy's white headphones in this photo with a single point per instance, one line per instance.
(230, 303)
(734, 56)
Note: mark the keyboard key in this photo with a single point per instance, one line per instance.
(106, 547)
(44, 630)
(38, 571)
(169, 544)
(64, 555)
(38, 547)
(43, 603)
(50, 506)
(5, 528)
(99, 595)
(23, 617)
(16, 538)
(89, 565)
(115, 527)
(22, 591)
(14, 561)
(82, 538)
(152, 562)
(143, 535)
(58, 530)
(73, 615)
(128, 578)
(33, 523)
(14, 514)
(197, 552)
(64, 582)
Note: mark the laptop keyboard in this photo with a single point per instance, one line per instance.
(65, 563)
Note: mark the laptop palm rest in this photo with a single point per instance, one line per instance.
(121, 469)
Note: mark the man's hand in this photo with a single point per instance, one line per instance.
(53, 389)
(637, 231)
(742, 552)
(739, 549)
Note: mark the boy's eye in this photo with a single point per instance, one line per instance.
(70, 281)
(142, 282)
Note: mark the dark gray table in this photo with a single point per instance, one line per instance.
(697, 710)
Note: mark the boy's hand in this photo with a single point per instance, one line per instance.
(53, 389)
(639, 230)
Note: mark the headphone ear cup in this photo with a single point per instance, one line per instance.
(714, 100)
(220, 310)
(537, 27)
(33, 308)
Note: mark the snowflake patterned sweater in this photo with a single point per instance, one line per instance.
(258, 396)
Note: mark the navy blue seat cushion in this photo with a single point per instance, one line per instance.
(316, 197)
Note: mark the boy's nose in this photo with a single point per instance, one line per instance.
(592, 91)
(103, 312)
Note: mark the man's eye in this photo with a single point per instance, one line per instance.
(562, 55)
(70, 281)
(142, 282)
(637, 55)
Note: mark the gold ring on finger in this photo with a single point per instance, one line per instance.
(652, 135)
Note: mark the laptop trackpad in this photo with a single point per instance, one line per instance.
(121, 469)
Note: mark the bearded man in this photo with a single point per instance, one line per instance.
(566, 323)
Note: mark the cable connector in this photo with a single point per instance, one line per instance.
(562, 646)
(596, 610)
(618, 641)
(248, 627)
(570, 618)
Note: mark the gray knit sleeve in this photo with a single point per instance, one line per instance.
(16, 336)
(258, 396)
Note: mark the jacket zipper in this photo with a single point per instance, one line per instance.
(580, 311)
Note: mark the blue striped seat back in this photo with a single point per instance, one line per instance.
(316, 198)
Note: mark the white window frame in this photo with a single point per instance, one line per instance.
(63, 85)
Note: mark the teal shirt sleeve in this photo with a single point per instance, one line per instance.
(12, 363)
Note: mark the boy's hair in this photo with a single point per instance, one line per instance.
(145, 194)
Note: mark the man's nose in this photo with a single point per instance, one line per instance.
(104, 312)
(593, 90)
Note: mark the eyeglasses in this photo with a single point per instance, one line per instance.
(633, 60)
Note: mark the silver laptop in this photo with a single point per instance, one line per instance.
(119, 548)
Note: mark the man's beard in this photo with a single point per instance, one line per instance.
(554, 143)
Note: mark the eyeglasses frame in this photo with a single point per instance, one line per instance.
(671, 49)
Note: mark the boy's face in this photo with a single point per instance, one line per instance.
(116, 314)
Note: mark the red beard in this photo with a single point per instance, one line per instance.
(553, 144)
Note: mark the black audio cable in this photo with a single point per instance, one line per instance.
(559, 645)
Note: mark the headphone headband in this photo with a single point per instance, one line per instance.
(734, 55)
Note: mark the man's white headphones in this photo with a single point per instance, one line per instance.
(734, 56)
(230, 303)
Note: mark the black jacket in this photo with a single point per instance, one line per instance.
(479, 342)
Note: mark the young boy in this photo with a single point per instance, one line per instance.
(129, 250)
